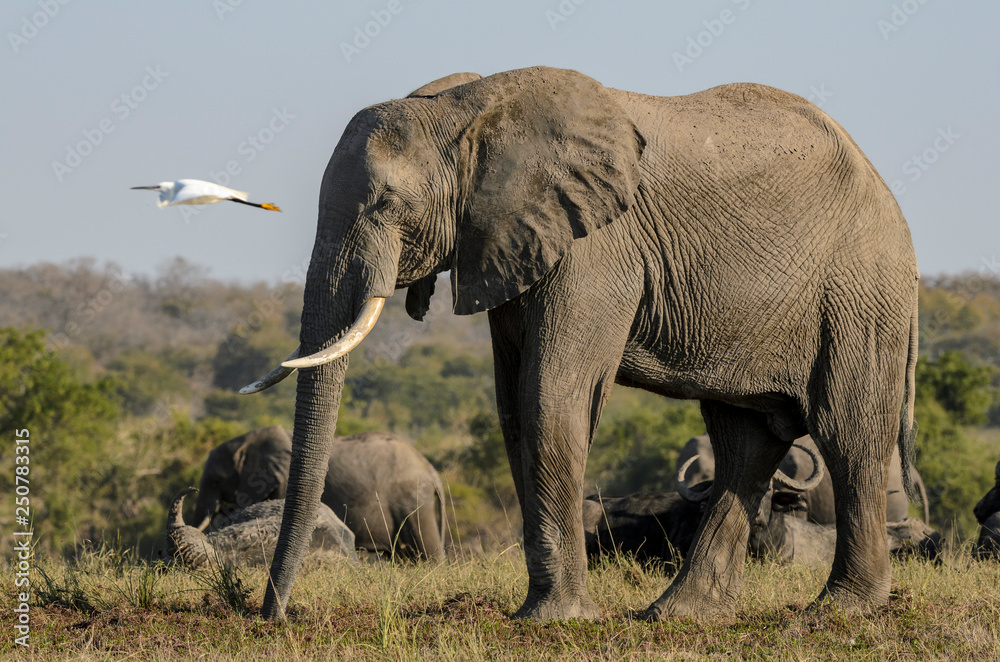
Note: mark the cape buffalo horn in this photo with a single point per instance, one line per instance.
(810, 482)
(175, 519)
(354, 335)
(273, 377)
(682, 488)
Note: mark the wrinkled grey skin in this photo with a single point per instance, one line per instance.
(377, 483)
(818, 502)
(245, 470)
(732, 246)
(249, 535)
(388, 494)
(654, 527)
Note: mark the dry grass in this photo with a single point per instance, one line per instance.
(460, 611)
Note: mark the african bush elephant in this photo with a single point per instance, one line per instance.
(245, 470)
(386, 492)
(818, 503)
(732, 246)
(249, 535)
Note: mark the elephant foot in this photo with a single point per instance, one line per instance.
(852, 597)
(559, 609)
(691, 599)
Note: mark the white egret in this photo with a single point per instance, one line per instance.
(197, 192)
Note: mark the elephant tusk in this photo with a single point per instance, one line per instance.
(273, 377)
(808, 483)
(688, 494)
(354, 335)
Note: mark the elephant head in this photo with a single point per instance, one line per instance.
(242, 471)
(493, 180)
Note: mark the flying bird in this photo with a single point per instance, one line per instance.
(197, 192)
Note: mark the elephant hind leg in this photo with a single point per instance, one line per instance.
(747, 453)
(855, 423)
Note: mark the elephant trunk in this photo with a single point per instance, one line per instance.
(343, 277)
(316, 405)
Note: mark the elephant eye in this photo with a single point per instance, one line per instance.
(389, 206)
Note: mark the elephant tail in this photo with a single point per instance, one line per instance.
(907, 426)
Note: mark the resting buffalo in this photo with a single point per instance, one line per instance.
(655, 527)
(987, 511)
(778, 535)
(818, 503)
(249, 535)
(660, 526)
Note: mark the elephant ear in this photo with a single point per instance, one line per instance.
(436, 87)
(418, 295)
(550, 157)
(240, 457)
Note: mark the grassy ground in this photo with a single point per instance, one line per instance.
(108, 607)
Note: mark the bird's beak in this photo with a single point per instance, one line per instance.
(153, 188)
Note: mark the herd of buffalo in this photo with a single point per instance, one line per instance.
(384, 498)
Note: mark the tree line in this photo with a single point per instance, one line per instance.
(126, 382)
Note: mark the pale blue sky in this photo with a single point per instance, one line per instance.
(199, 80)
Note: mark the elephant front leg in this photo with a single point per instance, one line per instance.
(553, 460)
(549, 402)
(746, 456)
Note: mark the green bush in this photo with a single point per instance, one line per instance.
(955, 461)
